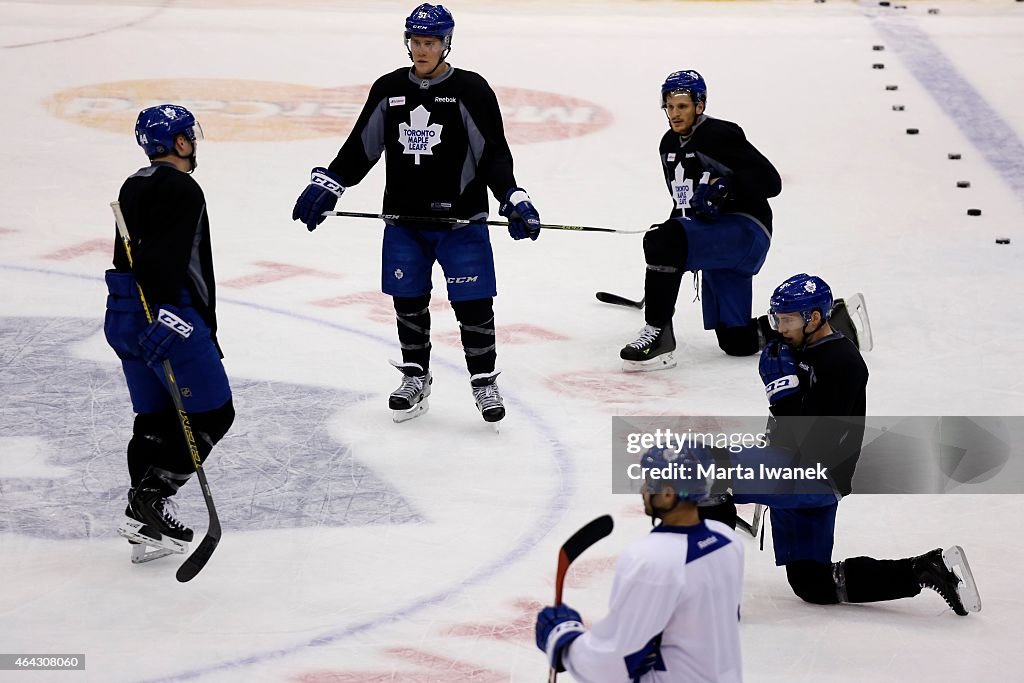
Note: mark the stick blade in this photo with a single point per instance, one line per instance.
(198, 559)
(587, 536)
(615, 299)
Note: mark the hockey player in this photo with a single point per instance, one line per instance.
(675, 603)
(165, 212)
(442, 135)
(720, 225)
(814, 371)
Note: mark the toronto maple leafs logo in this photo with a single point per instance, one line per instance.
(417, 137)
(810, 286)
(169, 113)
(682, 188)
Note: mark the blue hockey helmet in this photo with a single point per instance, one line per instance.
(802, 294)
(157, 127)
(680, 472)
(689, 82)
(431, 20)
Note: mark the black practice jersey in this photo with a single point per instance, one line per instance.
(443, 140)
(833, 386)
(165, 212)
(719, 148)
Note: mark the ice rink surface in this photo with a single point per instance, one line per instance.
(356, 549)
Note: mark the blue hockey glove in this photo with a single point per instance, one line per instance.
(709, 197)
(320, 195)
(557, 627)
(523, 219)
(162, 334)
(778, 371)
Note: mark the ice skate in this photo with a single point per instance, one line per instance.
(147, 541)
(488, 398)
(653, 349)
(948, 574)
(409, 400)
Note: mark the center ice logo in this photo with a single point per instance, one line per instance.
(418, 137)
(682, 188)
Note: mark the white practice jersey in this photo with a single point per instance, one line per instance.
(673, 613)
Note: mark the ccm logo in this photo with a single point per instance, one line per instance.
(461, 280)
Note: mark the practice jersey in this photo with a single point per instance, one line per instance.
(443, 140)
(833, 382)
(165, 212)
(674, 611)
(719, 148)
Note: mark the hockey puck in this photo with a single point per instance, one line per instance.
(953, 155)
(897, 107)
(899, 7)
(933, 10)
(973, 212)
(892, 87)
(884, 3)
(876, 65)
(963, 183)
(912, 131)
(878, 48)
(1003, 240)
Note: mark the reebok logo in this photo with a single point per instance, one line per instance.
(707, 542)
(450, 100)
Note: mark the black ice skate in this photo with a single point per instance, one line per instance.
(488, 398)
(143, 533)
(948, 574)
(409, 400)
(653, 349)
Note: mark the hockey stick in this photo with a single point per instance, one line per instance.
(587, 536)
(609, 298)
(201, 555)
(452, 221)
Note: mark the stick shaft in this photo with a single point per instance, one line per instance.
(456, 221)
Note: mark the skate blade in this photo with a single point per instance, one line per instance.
(401, 416)
(139, 533)
(663, 362)
(141, 554)
(956, 559)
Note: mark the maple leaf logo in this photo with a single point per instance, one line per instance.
(417, 137)
(682, 188)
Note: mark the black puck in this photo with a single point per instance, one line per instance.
(953, 155)
(884, 3)
(878, 48)
(933, 10)
(899, 6)
(892, 87)
(1003, 240)
(912, 131)
(897, 107)
(877, 65)
(963, 183)
(973, 212)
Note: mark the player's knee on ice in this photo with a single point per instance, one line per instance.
(813, 581)
(742, 340)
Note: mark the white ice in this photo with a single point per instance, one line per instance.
(422, 551)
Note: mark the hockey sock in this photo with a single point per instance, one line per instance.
(742, 340)
(661, 288)
(476, 323)
(871, 580)
(414, 329)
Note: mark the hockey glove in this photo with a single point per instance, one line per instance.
(320, 195)
(778, 371)
(709, 197)
(523, 219)
(160, 336)
(557, 627)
